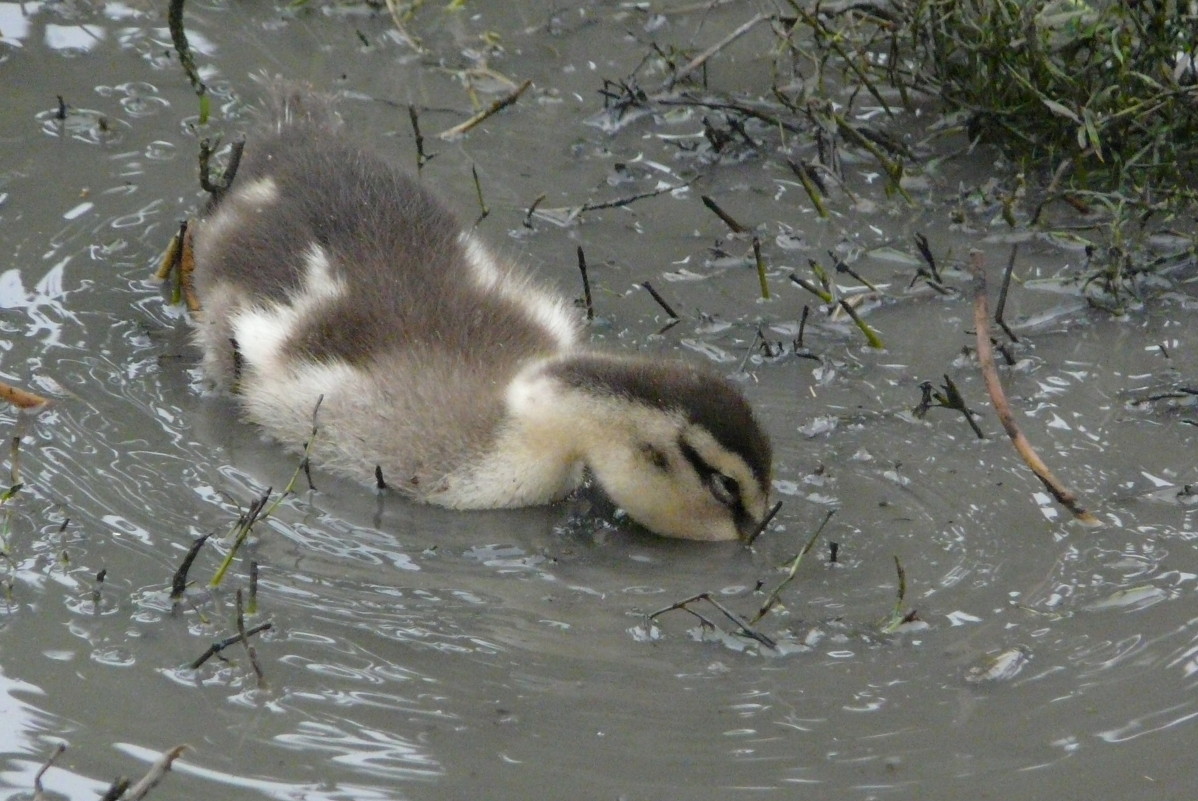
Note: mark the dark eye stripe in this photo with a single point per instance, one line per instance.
(708, 474)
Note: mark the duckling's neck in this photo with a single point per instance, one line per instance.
(539, 452)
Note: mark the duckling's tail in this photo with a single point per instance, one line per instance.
(287, 102)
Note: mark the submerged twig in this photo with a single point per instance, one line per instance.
(701, 59)
(250, 653)
(744, 627)
(498, 105)
(792, 566)
(981, 319)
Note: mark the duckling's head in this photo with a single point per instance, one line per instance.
(674, 445)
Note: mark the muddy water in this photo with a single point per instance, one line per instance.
(422, 654)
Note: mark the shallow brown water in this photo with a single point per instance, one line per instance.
(421, 654)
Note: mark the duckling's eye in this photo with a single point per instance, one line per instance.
(656, 457)
(726, 489)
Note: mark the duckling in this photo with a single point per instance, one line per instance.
(326, 274)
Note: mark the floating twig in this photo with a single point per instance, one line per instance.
(498, 105)
(586, 284)
(981, 320)
(21, 398)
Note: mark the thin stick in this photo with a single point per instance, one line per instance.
(478, 191)
(661, 301)
(745, 628)
(822, 294)
(793, 567)
(21, 398)
(729, 221)
(498, 105)
(221, 645)
(179, 580)
(586, 284)
(769, 517)
(981, 321)
(701, 59)
(528, 214)
(421, 157)
(174, 22)
(242, 530)
(757, 337)
(156, 773)
(250, 653)
(1001, 306)
(39, 793)
(809, 186)
(897, 617)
